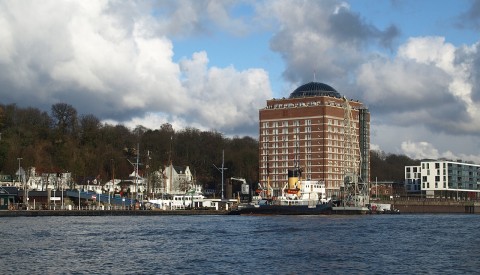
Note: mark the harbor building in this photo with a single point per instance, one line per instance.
(317, 130)
(413, 177)
(444, 179)
(177, 179)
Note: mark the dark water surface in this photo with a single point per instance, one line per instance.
(374, 244)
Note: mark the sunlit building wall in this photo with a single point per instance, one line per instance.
(308, 130)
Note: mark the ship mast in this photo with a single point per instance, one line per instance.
(171, 166)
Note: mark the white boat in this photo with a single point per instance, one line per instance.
(192, 199)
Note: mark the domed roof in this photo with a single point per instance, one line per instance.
(314, 89)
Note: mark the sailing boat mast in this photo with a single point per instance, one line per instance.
(171, 166)
(136, 170)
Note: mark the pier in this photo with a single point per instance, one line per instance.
(40, 213)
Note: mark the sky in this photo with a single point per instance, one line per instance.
(212, 65)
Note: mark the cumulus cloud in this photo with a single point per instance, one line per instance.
(118, 65)
(185, 18)
(425, 150)
(323, 37)
(422, 90)
(429, 87)
(426, 89)
(419, 150)
(426, 82)
(117, 60)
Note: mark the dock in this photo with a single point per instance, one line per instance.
(41, 213)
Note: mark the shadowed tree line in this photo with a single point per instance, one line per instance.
(389, 167)
(64, 141)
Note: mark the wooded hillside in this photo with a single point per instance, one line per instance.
(64, 141)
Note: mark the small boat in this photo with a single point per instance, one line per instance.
(298, 198)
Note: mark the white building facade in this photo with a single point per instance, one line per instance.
(178, 179)
(445, 179)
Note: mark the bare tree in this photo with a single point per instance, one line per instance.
(65, 118)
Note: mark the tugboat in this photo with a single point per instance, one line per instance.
(298, 198)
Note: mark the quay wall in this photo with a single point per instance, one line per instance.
(435, 206)
(39, 213)
(404, 206)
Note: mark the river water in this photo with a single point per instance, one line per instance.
(372, 244)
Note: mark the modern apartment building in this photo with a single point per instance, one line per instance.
(318, 130)
(446, 179)
(413, 175)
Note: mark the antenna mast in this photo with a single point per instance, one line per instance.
(222, 169)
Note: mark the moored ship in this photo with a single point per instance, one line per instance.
(298, 198)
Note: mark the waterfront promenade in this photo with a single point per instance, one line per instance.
(404, 205)
(39, 213)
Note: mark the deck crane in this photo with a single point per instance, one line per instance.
(355, 191)
(245, 190)
(245, 186)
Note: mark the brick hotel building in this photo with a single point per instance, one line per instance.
(309, 130)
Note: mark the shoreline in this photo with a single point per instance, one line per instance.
(41, 213)
(404, 207)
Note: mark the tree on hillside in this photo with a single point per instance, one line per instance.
(89, 127)
(65, 119)
(387, 167)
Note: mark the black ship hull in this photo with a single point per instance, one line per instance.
(319, 209)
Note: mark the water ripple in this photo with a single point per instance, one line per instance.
(378, 244)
